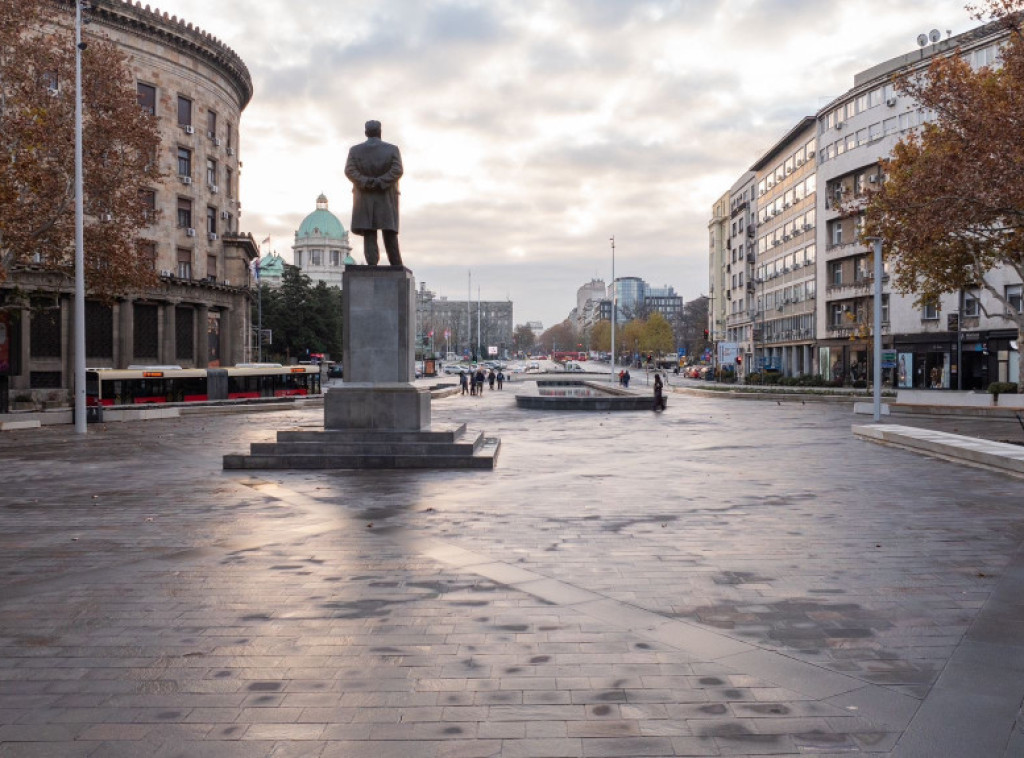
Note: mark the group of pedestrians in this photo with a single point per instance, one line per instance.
(473, 381)
(624, 378)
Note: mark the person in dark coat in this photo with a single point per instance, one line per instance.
(659, 393)
(463, 381)
(491, 377)
(374, 168)
(501, 378)
(479, 379)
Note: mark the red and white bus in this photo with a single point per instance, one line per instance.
(141, 385)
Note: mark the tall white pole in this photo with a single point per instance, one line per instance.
(469, 314)
(479, 335)
(612, 373)
(79, 319)
(877, 244)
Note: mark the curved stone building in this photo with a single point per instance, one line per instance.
(199, 314)
(321, 248)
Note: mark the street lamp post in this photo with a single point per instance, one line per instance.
(79, 332)
(611, 373)
(876, 243)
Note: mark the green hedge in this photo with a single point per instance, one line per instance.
(1002, 388)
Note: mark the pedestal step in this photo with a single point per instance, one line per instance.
(376, 449)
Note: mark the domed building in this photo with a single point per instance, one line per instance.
(321, 248)
(271, 269)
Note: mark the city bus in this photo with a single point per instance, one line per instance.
(141, 385)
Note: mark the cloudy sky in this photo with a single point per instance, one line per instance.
(532, 131)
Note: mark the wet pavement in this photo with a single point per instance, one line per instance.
(724, 578)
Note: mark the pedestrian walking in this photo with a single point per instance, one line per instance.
(491, 378)
(501, 378)
(625, 379)
(478, 380)
(659, 394)
(463, 381)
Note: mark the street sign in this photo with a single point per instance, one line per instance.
(888, 359)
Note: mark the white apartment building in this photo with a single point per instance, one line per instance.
(804, 304)
(945, 345)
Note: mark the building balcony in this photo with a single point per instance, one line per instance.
(854, 330)
(843, 250)
(863, 286)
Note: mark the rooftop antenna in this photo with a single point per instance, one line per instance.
(934, 35)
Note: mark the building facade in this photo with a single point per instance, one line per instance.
(466, 327)
(933, 350)
(783, 322)
(199, 313)
(322, 248)
(718, 235)
(802, 303)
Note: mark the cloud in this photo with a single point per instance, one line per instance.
(533, 130)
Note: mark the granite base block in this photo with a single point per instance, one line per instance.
(383, 405)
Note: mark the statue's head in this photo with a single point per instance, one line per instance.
(373, 128)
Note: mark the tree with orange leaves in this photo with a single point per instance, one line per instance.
(120, 141)
(951, 210)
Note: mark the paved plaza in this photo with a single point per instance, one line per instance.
(726, 578)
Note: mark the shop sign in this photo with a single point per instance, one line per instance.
(888, 359)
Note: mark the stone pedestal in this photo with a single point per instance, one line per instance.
(379, 333)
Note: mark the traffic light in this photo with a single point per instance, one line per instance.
(739, 360)
(706, 334)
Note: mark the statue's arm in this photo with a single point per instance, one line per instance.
(394, 172)
(359, 179)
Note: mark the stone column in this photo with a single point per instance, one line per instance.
(227, 336)
(169, 334)
(126, 334)
(202, 341)
(379, 333)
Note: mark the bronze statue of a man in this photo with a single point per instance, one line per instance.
(374, 168)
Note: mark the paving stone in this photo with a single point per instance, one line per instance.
(791, 610)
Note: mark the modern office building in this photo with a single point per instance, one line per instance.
(464, 327)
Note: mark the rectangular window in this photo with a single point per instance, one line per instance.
(836, 314)
(211, 124)
(875, 132)
(184, 263)
(184, 161)
(211, 267)
(147, 97)
(1013, 296)
(211, 220)
(211, 172)
(227, 134)
(184, 111)
(184, 213)
(837, 233)
(298, 258)
(930, 312)
(336, 258)
(971, 305)
(875, 97)
(314, 257)
(147, 251)
(885, 309)
(809, 253)
(836, 273)
(147, 198)
(228, 179)
(862, 103)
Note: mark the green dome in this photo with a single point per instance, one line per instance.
(271, 264)
(321, 223)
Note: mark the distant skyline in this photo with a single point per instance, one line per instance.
(534, 130)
